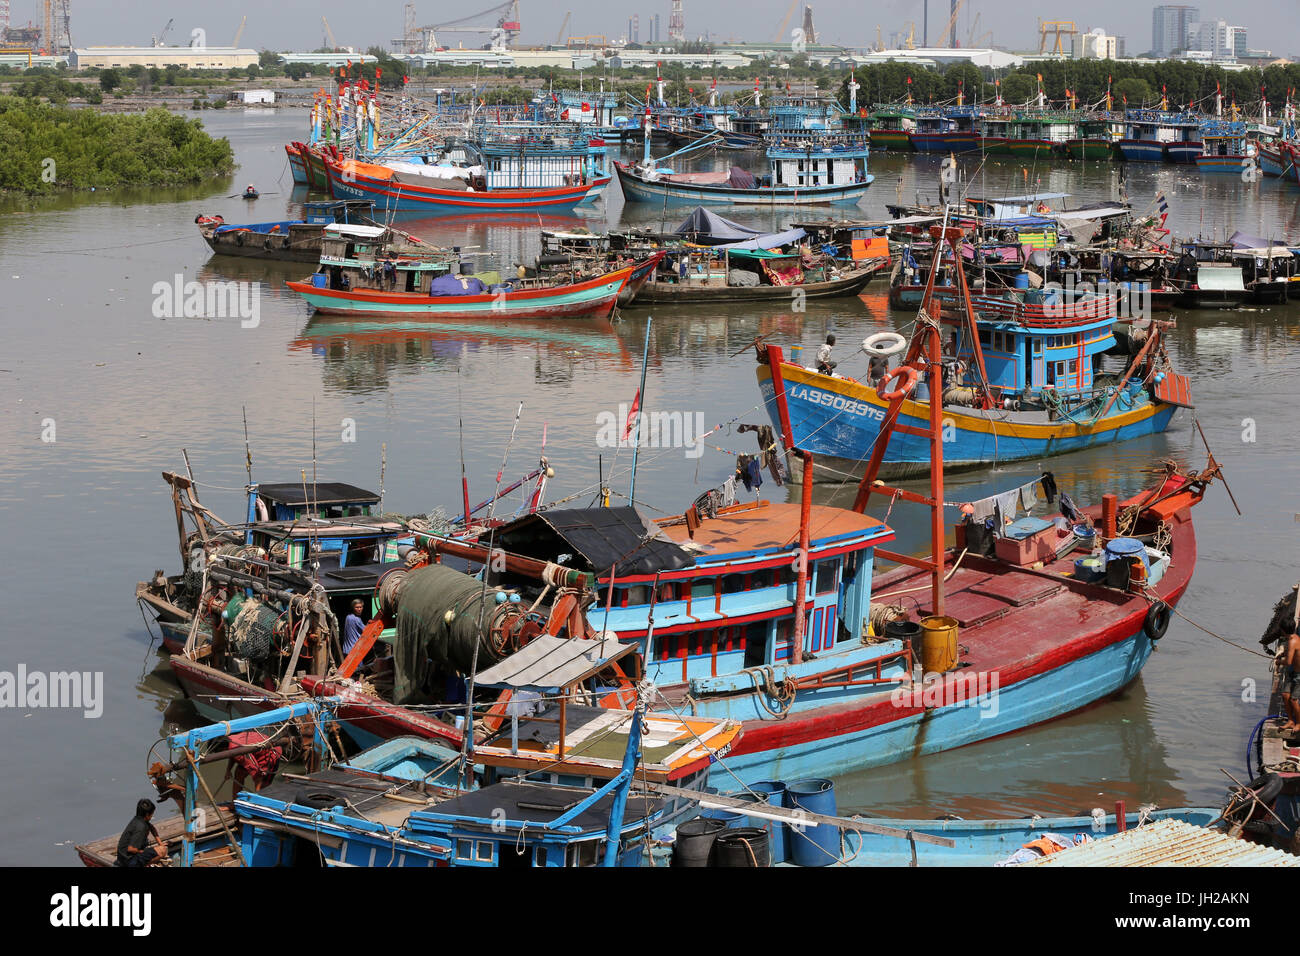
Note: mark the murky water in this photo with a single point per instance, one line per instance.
(84, 517)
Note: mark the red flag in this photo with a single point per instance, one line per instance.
(631, 415)
(909, 81)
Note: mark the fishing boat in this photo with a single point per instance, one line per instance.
(297, 163)
(1208, 275)
(1226, 149)
(1271, 162)
(296, 240)
(1186, 146)
(945, 131)
(1037, 135)
(1147, 135)
(891, 129)
(1023, 382)
(1096, 139)
(522, 172)
(358, 275)
(813, 167)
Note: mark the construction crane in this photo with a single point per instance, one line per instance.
(329, 35)
(559, 37)
(781, 35)
(161, 38)
(971, 39)
(910, 42)
(239, 33)
(950, 31)
(503, 33)
(57, 35)
(1058, 28)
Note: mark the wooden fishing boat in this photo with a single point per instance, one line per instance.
(1226, 149)
(1095, 140)
(297, 163)
(891, 129)
(1044, 395)
(524, 299)
(947, 131)
(515, 173)
(297, 240)
(743, 275)
(1208, 275)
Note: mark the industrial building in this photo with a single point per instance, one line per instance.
(187, 57)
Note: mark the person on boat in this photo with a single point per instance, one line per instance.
(251, 190)
(134, 848)
(1291, 677)
(824, 364)
(353, 625)
(877, 369)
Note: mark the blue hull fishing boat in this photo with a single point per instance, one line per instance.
(1024, 387)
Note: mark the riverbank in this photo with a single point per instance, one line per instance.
(50, 149)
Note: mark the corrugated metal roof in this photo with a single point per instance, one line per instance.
(548, 663)
(1168, 843)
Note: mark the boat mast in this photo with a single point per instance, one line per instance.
(925, 355)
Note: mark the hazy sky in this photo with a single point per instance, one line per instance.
(296, 24)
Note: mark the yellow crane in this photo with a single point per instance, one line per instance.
(781, 35)
(559, 37)
(1058, 28)
(880, 43)
(910, 42)
(329, 34)
(239, 33)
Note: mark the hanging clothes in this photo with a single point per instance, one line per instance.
(1049, 486)
(1029, 495)
(768, 451)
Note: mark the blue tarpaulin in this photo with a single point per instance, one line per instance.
(456, 285)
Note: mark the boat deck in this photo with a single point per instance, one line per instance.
(103, 852)
(766, 526)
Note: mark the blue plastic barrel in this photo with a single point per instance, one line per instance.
(747, 797)
(813, 845)
(318, 280)
(778, 833)
(730, 817)
(1022, 280)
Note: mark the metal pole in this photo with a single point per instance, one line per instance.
(636, 432)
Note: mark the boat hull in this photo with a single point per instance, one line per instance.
(1141, 151)
(1224, 165)
(596, 296)
(1184, 153)
(944, 142)
(297, 164)
(891, 139)
(838, 418)
(1090, 149)
(669, 292)
(391, 196)
(1032, 148)
(636, 189)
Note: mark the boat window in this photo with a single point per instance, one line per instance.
(483, 850)
(702, 590)
(465, 849)
(828, 576)
(584, 853)
(761, 579)
(667, 592)
(1038, 346)
(985, 337)
(638, 595)
(733, 583)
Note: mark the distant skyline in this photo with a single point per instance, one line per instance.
(296, 24)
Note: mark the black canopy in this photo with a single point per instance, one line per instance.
(598, 538)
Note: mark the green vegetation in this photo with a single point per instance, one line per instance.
(50, 148)
(1141, 82)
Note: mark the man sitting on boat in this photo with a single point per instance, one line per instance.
(824, 364)
(353, 625)
(133, 847)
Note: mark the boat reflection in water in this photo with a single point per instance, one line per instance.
(360, 354)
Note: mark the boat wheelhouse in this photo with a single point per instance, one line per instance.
(1034, 135)
(1096, 138)
(1226, 148)
(1147, 134)
(951, 130)
(1186, 144)
(891, 129)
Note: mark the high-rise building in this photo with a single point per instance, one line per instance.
(1170, 25)
(677, 23)
(1218, 38)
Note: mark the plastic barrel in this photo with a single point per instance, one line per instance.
(1021, 280)
(728, 817)
(909, 632)
(939, 644)
(778, 834)
(743, 846)
(693, 841)
(813, 845)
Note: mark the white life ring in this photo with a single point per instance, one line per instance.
(884, 344)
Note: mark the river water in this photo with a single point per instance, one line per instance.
(87, 361)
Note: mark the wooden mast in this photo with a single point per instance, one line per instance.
(925, 354)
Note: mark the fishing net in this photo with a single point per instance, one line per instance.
(253, 632)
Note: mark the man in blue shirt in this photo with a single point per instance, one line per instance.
(353, 625)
